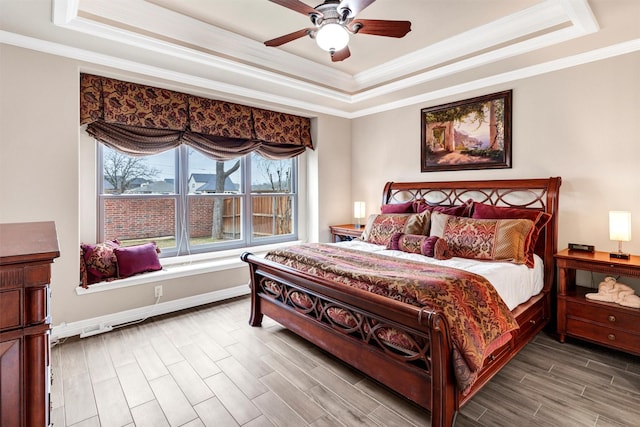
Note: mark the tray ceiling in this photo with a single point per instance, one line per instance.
(454, 45)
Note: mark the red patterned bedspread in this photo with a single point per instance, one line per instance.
(477, 316)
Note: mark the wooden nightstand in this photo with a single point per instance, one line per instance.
(344, 232)
(609, 324)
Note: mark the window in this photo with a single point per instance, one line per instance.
(189, 203)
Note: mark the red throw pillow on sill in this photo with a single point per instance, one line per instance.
(133, 260)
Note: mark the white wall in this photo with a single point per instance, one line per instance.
(47, 172)
(580, 123)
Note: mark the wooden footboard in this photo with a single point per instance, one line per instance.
(425, 375)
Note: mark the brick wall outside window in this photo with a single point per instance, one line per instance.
(126, 218)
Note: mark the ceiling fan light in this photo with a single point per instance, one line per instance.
(332, 37)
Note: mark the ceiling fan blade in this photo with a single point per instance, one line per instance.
(355, 6)
(341, 55)
(288, 37)
(381, 27)
(297, 6)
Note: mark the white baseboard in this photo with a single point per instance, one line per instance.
(105, 323)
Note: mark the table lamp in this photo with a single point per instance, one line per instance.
(358, 213)
(620, 230)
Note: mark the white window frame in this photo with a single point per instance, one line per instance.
(181, 203)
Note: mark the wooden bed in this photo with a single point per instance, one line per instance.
(430, 384)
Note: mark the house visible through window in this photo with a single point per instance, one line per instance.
(188, 203)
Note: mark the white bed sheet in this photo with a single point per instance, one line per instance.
(514, 283)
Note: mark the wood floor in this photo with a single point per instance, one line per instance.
(206, 366)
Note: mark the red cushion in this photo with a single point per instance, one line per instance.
(539, 218)
(461, 210)
(406, 207)
(137, 259)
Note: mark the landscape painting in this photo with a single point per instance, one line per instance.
(470, 134)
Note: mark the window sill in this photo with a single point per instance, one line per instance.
(184, 266)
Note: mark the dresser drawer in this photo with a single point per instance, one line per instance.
(608, 336)
(605, 314)
(10, 303)
(11, 277)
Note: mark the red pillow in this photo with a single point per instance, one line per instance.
(406, 207)
(539, 218)
(137, 259)
(421, 205)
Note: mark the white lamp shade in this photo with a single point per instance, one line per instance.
(620, 226)
(359, 210)
(332, 37)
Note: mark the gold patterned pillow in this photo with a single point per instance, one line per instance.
(381, 227)
(485, 239)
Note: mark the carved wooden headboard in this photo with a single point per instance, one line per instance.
(538, 194)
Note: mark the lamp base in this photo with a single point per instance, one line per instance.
(619, 255)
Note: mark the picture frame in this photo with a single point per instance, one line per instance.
(470, 134)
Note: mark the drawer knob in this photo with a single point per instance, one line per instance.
(532, 321)
(612, 318)
(611, 337)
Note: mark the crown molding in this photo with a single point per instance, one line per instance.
(232, 92)
(319, 79)
(209, 39)
(623, 48)
(471, 63)
(536, 19)
(235, 92)
(574, 18)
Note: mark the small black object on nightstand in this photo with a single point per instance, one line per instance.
(581, 247)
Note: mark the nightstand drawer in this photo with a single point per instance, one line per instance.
(604, 335)
(607, 316)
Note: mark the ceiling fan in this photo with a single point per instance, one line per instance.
(333, 20)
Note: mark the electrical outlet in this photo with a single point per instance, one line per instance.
(158, 290)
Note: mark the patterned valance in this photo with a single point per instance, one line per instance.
(121, 114)
(271, 126)
(219, 118)
(144, 106)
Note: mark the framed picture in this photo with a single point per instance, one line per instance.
(470, 134)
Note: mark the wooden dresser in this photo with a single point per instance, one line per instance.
(604, 323)
(26, 253)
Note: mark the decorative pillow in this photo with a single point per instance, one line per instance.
(406, 207)
(137, 259)
(431, 246)
(441, 250)
(539, 218)
(381, 227)
(464, 209)
(411, 243)
(485, 239)
(84, 280)
(100, 261)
